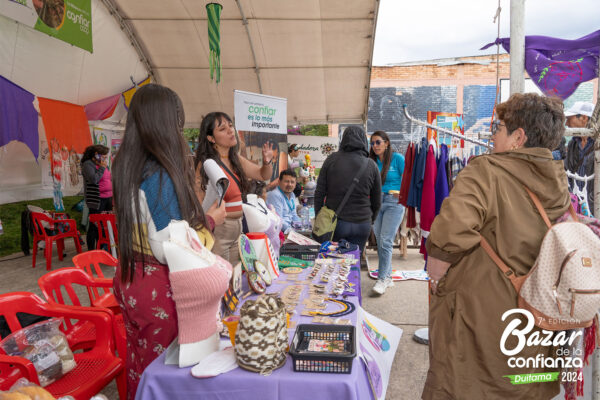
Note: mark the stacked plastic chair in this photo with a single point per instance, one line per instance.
(95, 368)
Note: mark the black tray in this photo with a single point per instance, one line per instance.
(305, 253)
(324, 362)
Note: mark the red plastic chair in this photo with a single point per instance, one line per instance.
(95, 368)
(101, 220)
(90, 263)
(39, 234)
(82, 334)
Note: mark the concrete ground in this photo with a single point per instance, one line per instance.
(404, 305)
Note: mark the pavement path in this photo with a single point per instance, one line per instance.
(404, 305)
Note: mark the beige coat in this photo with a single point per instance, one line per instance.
(465, 325)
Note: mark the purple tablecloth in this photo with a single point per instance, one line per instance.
(161, 381)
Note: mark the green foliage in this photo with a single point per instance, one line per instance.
(191, 134)
(10, 214)
(315, 130)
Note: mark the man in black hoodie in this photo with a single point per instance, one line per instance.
(336, 176)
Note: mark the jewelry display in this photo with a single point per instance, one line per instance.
(348, 308)
(292, 270)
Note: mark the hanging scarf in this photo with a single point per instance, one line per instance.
(213, 11)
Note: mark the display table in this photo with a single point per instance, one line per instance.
(161, 381)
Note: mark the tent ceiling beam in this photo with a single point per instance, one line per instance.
(245, 22)
(369, 70)
(125, 27)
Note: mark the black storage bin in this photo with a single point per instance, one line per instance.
(323, 362)
(306, 253)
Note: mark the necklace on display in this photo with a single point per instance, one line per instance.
(348, 308)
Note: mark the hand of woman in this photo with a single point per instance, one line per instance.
(217, 213)
(436, 269)
(267, 152)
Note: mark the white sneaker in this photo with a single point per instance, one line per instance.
(382, 284)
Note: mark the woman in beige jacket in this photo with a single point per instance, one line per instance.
(469, 292)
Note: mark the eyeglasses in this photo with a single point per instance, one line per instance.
(376, 142)
(495, 126)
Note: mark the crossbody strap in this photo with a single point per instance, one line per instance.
(540, 208)
(352, 186)
(509, 273)
(229, 172)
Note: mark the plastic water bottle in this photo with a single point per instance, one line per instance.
(305, 216)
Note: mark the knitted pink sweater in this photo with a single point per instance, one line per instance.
(197, 294)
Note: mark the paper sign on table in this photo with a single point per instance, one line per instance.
(377, 345)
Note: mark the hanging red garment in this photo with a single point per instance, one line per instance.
(411, 218)
(406, 176)
(428, 198)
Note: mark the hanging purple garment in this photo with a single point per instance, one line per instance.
(558, 66)
(18, 118)
(441, 180)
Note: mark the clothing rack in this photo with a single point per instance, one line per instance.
(579, 178)
(443, 130)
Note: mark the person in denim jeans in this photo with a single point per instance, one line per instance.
(389, 218)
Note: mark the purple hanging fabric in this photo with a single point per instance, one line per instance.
(18, 117)
(558, 66)
(441, 181)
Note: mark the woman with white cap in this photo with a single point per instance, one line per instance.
(580, 151)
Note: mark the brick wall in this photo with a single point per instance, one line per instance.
(464, 85)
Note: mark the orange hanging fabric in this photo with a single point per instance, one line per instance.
(66, 125)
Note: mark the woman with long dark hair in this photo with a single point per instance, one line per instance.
(217, 141)
(389, 218)
(153, 183)
(95, 174)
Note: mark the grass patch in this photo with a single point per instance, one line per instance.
(10, 214)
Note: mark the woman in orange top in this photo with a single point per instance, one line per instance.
(218, 141)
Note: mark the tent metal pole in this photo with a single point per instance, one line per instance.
(443, 130)
(594, 127)
(370, 69)
(245, 23)
(517, 46)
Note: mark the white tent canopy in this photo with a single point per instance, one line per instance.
(51, 68)
(315, 53)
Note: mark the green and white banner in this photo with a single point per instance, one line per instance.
(67, 20)
(259, 113)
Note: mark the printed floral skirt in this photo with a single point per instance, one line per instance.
(149, 316)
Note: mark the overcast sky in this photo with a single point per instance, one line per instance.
(416, 30)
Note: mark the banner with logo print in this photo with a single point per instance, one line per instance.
(318, 147)
(259, 113)
(67, 20)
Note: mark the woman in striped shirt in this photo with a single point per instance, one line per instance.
(218, 141)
